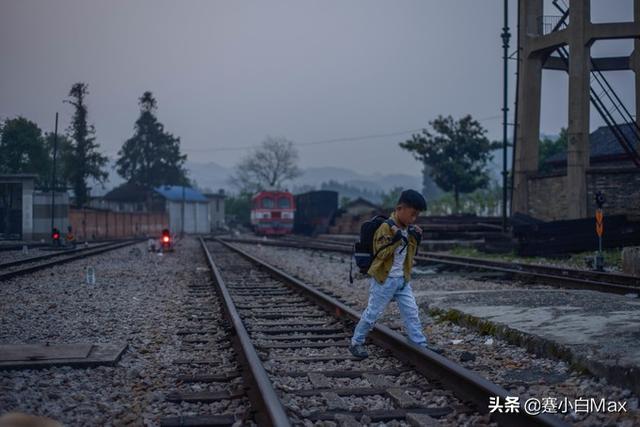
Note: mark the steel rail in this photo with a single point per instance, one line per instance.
(466, 384)
(6, 248)
(270, 411)
(83, 254)
(550, 275)
(61, 252)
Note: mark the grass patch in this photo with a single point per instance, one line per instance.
(612, 257)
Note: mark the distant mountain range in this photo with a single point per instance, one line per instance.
(212, 176)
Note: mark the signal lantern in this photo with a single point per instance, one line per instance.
(166, 236)
(55, 236)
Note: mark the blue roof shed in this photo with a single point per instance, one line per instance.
(175, 194)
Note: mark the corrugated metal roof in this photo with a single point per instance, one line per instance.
(603, 143)
(174, 193)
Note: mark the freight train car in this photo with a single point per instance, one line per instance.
(272, 213)
(315, 212)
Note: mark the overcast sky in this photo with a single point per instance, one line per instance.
(228, 73)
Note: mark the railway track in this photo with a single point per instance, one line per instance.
(549, 275)
(291, 340)
(51, 253)
(18, 247)
(209, 371)
(24, 266)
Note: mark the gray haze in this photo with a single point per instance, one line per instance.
(228, 73)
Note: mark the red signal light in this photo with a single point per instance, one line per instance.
(165, 239)
(56, 236)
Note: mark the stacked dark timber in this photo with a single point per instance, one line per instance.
(487, 230)
(561, 237)
(460, 226)
(482, 232)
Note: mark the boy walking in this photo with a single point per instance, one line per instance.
(395, 244)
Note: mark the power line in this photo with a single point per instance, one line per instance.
(320, 142)
(325, 141)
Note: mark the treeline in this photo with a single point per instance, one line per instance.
(455, 155)
(150, 157)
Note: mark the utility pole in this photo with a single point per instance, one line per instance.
(505, 111)
(182, 215)
(53, 173)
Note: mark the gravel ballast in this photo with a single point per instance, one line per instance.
(138, 299)
(510, 366)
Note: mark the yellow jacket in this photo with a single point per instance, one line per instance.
(381, 265)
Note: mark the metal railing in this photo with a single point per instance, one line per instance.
(549, 23)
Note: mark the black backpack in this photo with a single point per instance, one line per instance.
(363, 249)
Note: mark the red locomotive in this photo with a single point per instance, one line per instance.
(272, 212)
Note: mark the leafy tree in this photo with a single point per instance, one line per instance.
(344, 201)
(23, 149)
(86, 160)
(390, 199)
(268, 166)
(549, 147)
(456, 153)
(483, 201)
(151, 157)
(429, 187)
(64, 160)
(238, 208)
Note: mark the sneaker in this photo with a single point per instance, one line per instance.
(358, 351)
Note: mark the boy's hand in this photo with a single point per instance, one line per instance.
(397, 234)
(416, 232)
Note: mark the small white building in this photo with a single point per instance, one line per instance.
(188, 209)
(42, 214)
(216, 210)
(202, 213)
(16, 206)
(25, 213)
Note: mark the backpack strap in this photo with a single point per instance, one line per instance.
(406, 243)
(351, 271)
(390, 223)
(380, 250)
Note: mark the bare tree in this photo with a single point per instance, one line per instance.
(268, 166)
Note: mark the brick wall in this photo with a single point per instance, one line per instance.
(621, 187)
(91, 225)
(547, 197)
